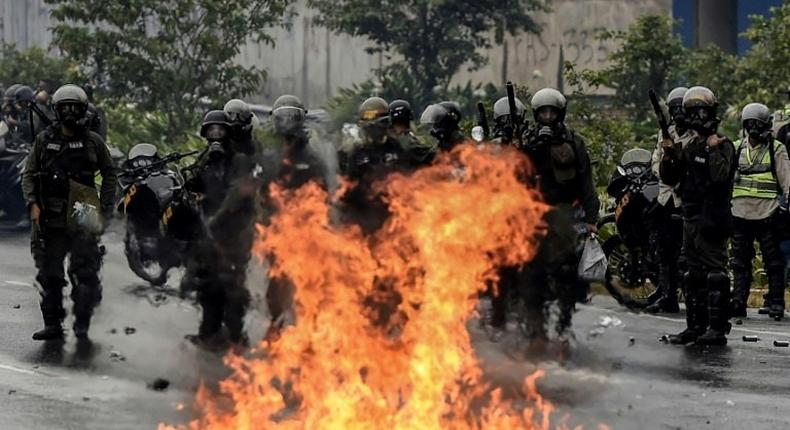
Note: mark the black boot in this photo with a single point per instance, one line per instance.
(776, 293)
(667, 288)
(740, 294)
(777, 310)
(53, 326)
(716, 335)
(49, 332)
(696, 312)
(81, 326)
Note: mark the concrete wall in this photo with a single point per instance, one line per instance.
(569, 34)
(24, 22)
(313, 63)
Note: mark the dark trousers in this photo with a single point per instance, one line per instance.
(550, 276)
(669, 235)
(49, 247)
(746, 232)
(707, 283)
(221, 291)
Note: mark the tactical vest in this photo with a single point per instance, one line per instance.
(63, 159)
(756, 178)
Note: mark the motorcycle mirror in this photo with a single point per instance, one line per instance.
(620, 170)
(478, 134)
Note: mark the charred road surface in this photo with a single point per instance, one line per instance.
(618, 373)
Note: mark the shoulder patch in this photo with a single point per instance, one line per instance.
(53, 146)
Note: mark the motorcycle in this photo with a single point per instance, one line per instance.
(162, 217)
(13, 157)
(632, 273)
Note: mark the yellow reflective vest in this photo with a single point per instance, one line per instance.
(756, 178)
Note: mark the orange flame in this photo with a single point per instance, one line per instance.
(348, 364)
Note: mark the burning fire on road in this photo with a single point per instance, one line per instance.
(380, 340)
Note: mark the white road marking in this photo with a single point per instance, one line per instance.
(18, 370)
(20, 283)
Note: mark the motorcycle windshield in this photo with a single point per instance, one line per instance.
(636, 156)
(142, 150)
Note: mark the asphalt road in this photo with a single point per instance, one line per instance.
(608, 378)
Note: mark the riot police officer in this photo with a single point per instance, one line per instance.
(297, 157)
(28, 128)
(401, 117)
(668, 233)
(703, 171)
(441, 122)
(504, 129)
(240, 120)
(564, 177)
(8, 108)
(373, 150)
(763, 176)
(509, 277)
(222, 177)
(59, 188)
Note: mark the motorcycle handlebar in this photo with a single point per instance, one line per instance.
(171, 158)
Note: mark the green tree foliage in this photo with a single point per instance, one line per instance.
(31, 65)
(607, 131)
(713, 68)
(169, 56)
(650, 56)
(427, 41)
(763, 72)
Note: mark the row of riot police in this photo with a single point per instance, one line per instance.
(234, 172)
(714, 192)
(27, 112)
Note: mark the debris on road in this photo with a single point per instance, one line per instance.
(781, 343)
(739, 322)
(607, 321)
(596, 331)
(631, 341)
(751, 338)
(159, 384)
(664, 339)
(129, 330)
(17, 306)
(112, 331)
(11, 392)
(117, 356)
(604, 323)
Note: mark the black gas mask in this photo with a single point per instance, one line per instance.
(71, 114)
(375, 129)
(758, 130)
(216, 150)
(703, 120)
(678, 116)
